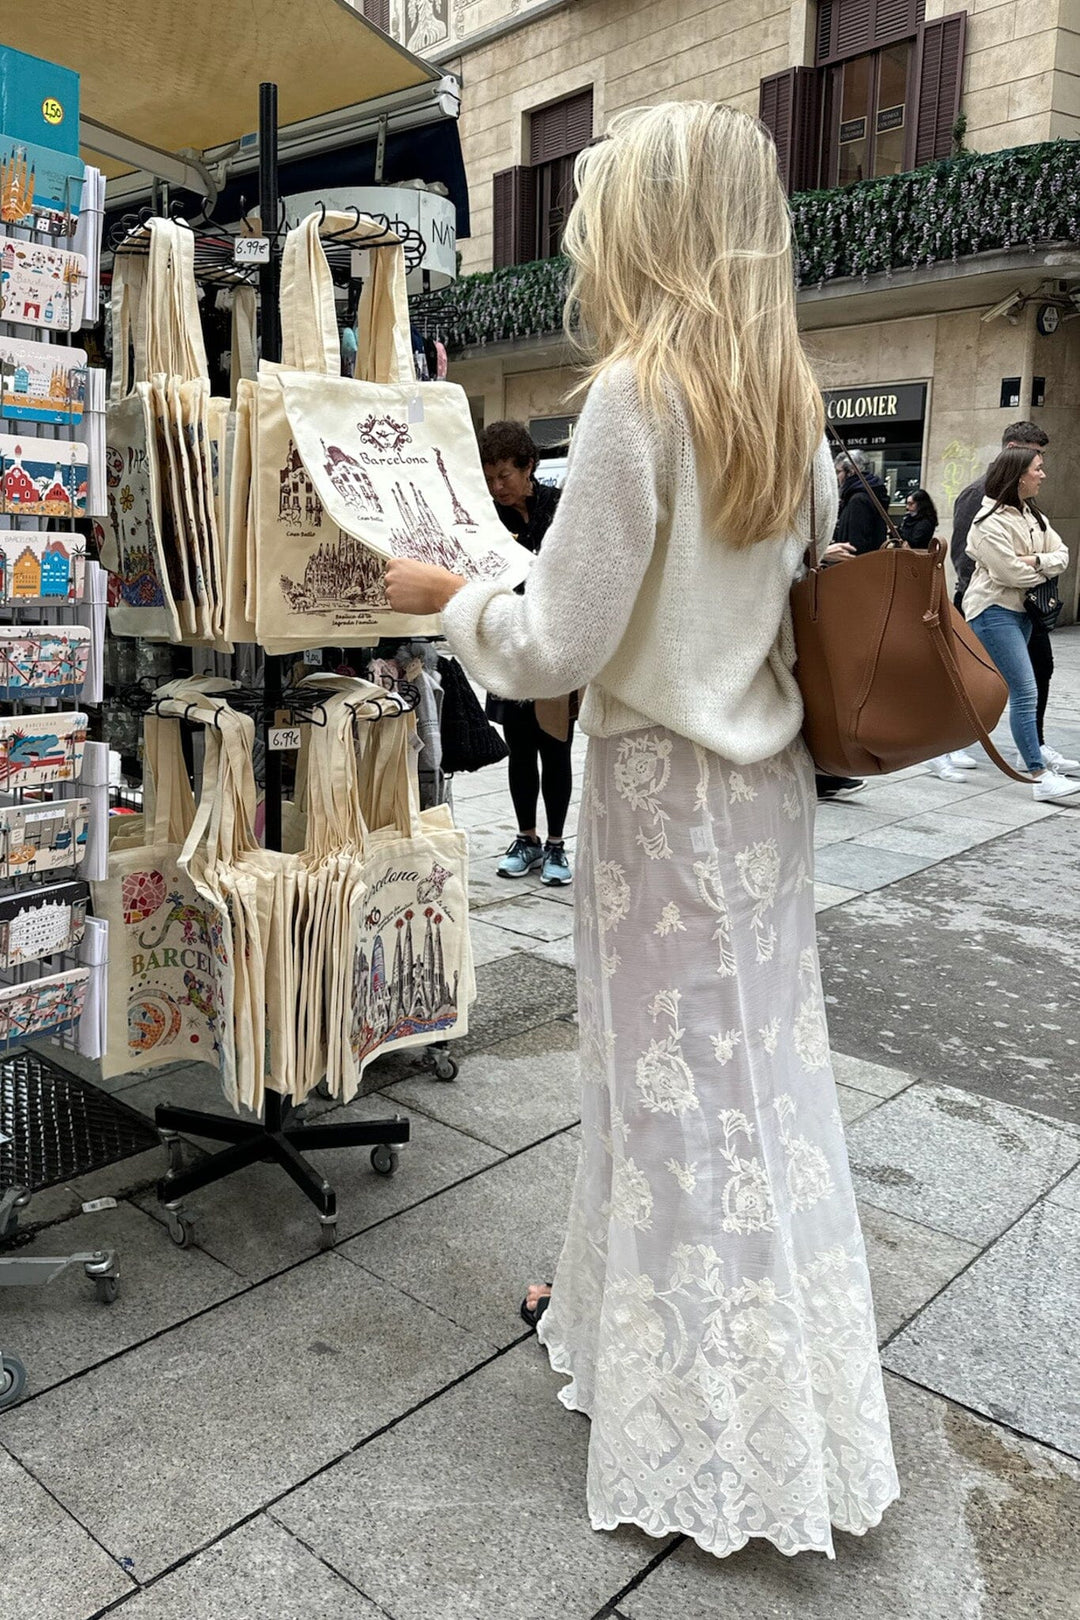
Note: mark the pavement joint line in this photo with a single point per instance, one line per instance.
(984, 1250)
(609, 1610)
(68, 1514)
(992, 1422)
(272, 1502)
(332, 1567)
(251, 1284)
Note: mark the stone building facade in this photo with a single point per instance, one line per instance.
(853, 90)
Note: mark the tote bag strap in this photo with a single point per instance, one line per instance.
(243, 360)
(128, 323)
(186, 304)
(383, 334)
(309, 334)
(172, 804)
(163, 344)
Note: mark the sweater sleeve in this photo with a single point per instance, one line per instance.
(991, 543)
(1053, 554)
(581, 591)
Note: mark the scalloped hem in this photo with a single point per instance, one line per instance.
(560, 1361)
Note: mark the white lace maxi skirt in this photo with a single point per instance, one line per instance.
(712, 1303)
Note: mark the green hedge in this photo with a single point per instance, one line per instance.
(974, 203)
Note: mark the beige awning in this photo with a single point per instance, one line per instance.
(185, 73)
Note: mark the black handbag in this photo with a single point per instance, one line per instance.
(1042, 604)
(469, 740)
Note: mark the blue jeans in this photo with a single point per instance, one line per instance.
(1005, 635)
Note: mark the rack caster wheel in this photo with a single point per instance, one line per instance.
(106, 1289)
(327, 1234)
(444, 1068)
(181, 1228)
(174, 1151)
(384, 1159)
(12, 1379)
(13, 1200)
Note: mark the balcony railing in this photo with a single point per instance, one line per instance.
(976, 203)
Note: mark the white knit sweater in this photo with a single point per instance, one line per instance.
(632, 596)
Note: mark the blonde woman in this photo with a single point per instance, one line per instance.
(711, 1308)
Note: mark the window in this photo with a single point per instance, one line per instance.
(378, 12)
(883, 98)
(869, 128)
(531, 203)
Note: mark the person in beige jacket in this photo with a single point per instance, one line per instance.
(1015, 549)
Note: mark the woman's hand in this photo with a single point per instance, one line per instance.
(839, 552)
(419, 588)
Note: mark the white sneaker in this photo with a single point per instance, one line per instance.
(1059, 762)
(964, 762)
(1053, 787)
(945, 769)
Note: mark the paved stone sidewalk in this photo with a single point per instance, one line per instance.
(256, 1429)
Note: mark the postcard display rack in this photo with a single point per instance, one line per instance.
(52, 611)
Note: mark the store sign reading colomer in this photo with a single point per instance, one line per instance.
(882, 402)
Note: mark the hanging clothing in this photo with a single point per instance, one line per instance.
(712, 1304)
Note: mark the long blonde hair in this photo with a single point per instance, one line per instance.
(680, 251)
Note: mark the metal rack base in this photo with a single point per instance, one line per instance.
(281, 1138)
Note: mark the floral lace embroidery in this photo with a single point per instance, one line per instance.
(808, 1177)
(665, 1081)
(747, 1199)
(642, 772)
(685, 1174)
(725, 1043)
(612, 907)
(759, 873)
(740, 789)
(770, 1036)
(811, 1033)
(711, 889)
(712, 1308)
(670, 921)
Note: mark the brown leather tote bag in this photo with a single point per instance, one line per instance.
(890, 673)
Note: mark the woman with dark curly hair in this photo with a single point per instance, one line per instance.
(539, 761)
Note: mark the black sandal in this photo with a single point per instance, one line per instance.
(531, 1316)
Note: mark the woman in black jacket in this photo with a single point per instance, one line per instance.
(920, 521)
(539, 762)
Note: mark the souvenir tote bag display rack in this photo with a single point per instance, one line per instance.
(299, 981)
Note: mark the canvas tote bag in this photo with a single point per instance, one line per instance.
(132, 539)
(409, 956)
(314, 583)
(394, 462)
(163, 998)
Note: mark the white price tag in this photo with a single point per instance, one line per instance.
(96, 1205)
(283, 739)
(251, 250)
(313, 655)
(359, 259)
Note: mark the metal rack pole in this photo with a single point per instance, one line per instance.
(270, 287)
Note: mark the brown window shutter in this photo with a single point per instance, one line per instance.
(788, 107)
(562, 129)
(378, 12)
(514, 206)
(939, 69)
(849, 27)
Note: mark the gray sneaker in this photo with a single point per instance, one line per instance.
(523, 857)
(556, 872)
